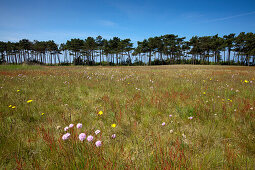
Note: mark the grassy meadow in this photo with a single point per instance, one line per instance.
(167, 117)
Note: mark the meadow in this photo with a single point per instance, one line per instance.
(151, 117)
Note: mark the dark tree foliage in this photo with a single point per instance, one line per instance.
(159, 50)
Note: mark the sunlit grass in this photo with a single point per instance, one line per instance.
(211, 124)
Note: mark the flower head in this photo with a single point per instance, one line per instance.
(42, 114)
(170, 115)
(10, 105)
(98, 143)
(114, 136)
(90, 138)
(82, 136)
(100, 112)
(190, 117)
(66, 128)
(71, 125)
(79, 125)
(66, 136)
(18, 90)
(29, 101)
(163, 124)
(13, 107)
(113, 125)
(97, 132)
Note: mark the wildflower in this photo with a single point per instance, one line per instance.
(204, 93)
(66, 136)
(90, 138)
(171, 131)
(79, 125)
(114, 136)
(100, 112)
(97, 132)
(29, 101)
(190, 117)
(18, 90)
(66, 128)
(184, 136)
(13, 107)
(42, 114)
(251, 108)
(113, 125)
(10, 105)
(82, 136)
(246, 81)
(98, 143)
(163, 124)
(170, 115)
(71, 125)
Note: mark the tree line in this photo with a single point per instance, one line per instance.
(165, 49)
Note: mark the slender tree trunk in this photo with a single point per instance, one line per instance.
(150, 58)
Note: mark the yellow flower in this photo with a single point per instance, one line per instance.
(18, 90)
(29, 101)
(13, 107)
(246, 81)
(230, 100)
(204, 93)
(42, 114)
(113, 125)
(10, 106)
(100, 112)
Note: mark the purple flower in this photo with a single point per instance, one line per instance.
(97, 132)
(71, 125)
(163, 124)
(90, 138)
(79, 126)
(66, 136)
(170, 115)
(82, 136)
(98, 143)
(66, 128)
(114, 136)
(190, 117)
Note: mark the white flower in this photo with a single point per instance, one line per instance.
(97, 132)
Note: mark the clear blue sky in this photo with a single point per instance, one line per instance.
(61, 20)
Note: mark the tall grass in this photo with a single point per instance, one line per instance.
(138, 100)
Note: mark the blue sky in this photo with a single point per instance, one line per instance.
(61, 20)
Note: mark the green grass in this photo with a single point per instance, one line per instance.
(221, 134)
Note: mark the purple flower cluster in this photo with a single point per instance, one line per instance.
(82, 136)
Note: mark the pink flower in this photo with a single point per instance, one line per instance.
(170, 115)
(90, 138)
(66, 128)
(163, 124)
(114, 136)
(97, 132)
(71, 125)
(82, 136)
(98, 143)
(66, 136)
(79, 126)
(190, 117)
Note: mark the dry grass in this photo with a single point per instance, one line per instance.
(221, 134)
